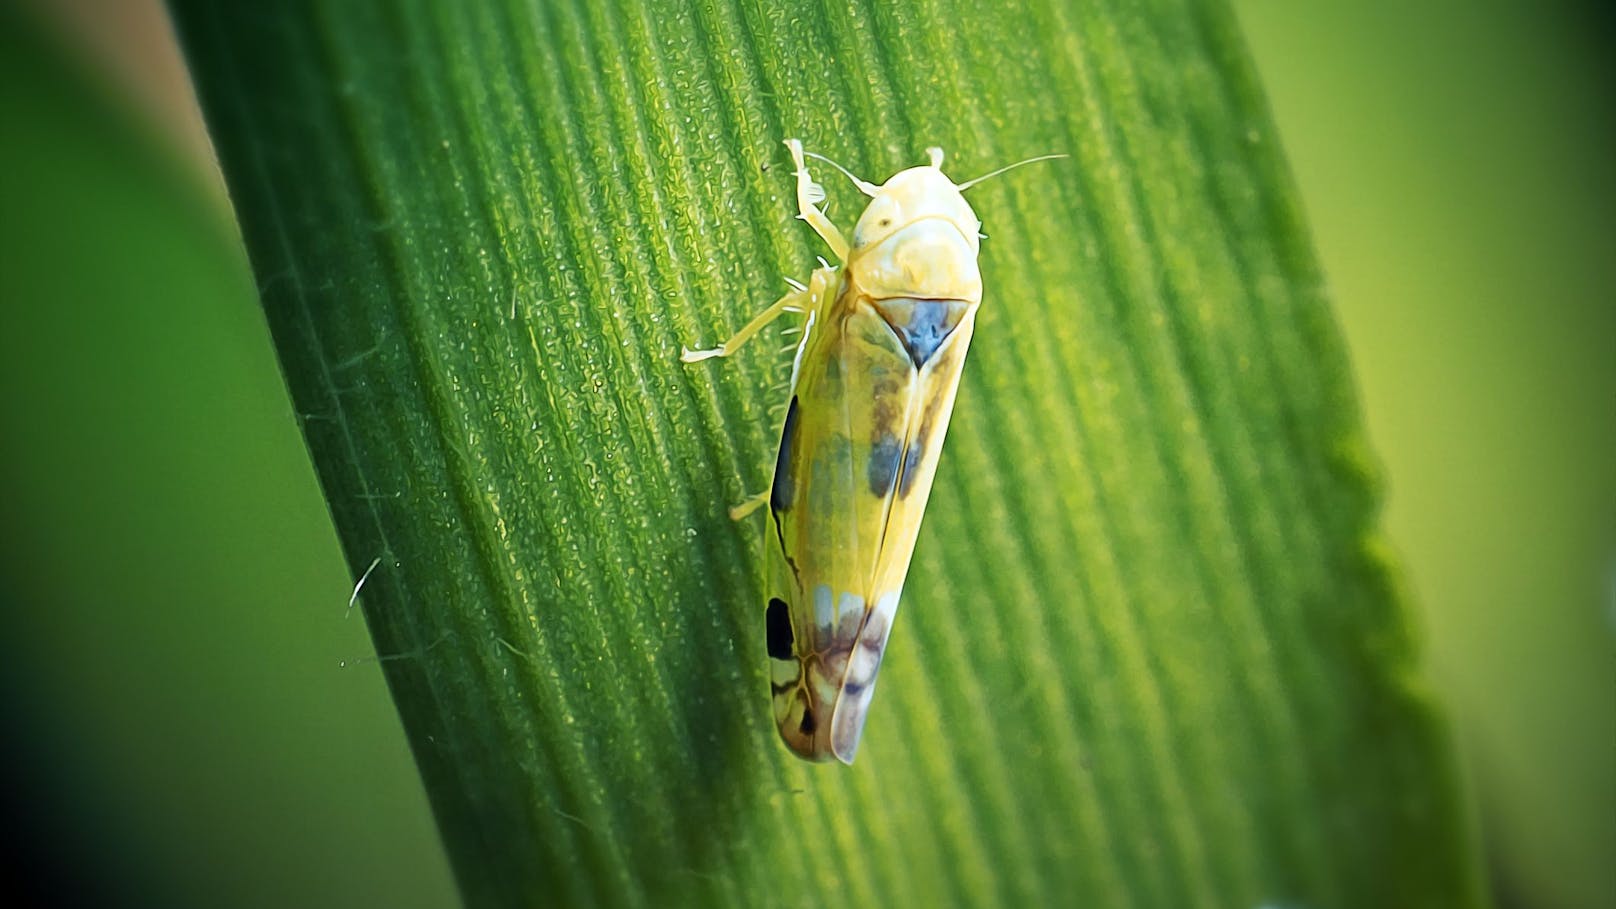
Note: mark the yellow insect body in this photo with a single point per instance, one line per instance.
(872, 390)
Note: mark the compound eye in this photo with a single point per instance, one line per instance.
(880, 219)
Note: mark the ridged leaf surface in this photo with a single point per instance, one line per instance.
(1151, 653)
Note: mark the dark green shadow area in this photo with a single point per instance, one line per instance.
(178, 728)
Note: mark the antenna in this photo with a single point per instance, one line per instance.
(865, 187)
(970, 183)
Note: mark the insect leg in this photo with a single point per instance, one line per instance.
(795, 301)
(806, 190)
(750, 504)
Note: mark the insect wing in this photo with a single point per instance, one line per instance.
(858, 453)
(937, 384)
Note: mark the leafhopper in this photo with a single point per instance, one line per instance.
(872, 389)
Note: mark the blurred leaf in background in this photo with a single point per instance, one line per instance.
(179, 731)
(1459, 165)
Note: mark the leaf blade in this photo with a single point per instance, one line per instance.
(1154, 464)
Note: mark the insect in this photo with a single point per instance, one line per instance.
(872, 389)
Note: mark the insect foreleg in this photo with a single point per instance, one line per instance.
(795, 301)
(806, 190)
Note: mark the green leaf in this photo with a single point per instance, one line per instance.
(178, 732)
(1152, 655)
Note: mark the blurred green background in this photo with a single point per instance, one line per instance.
(191, 716)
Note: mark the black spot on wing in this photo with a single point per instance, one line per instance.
(808, 724)
(884, 456)
(778, 621)
(783, 489)
(911, 468)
